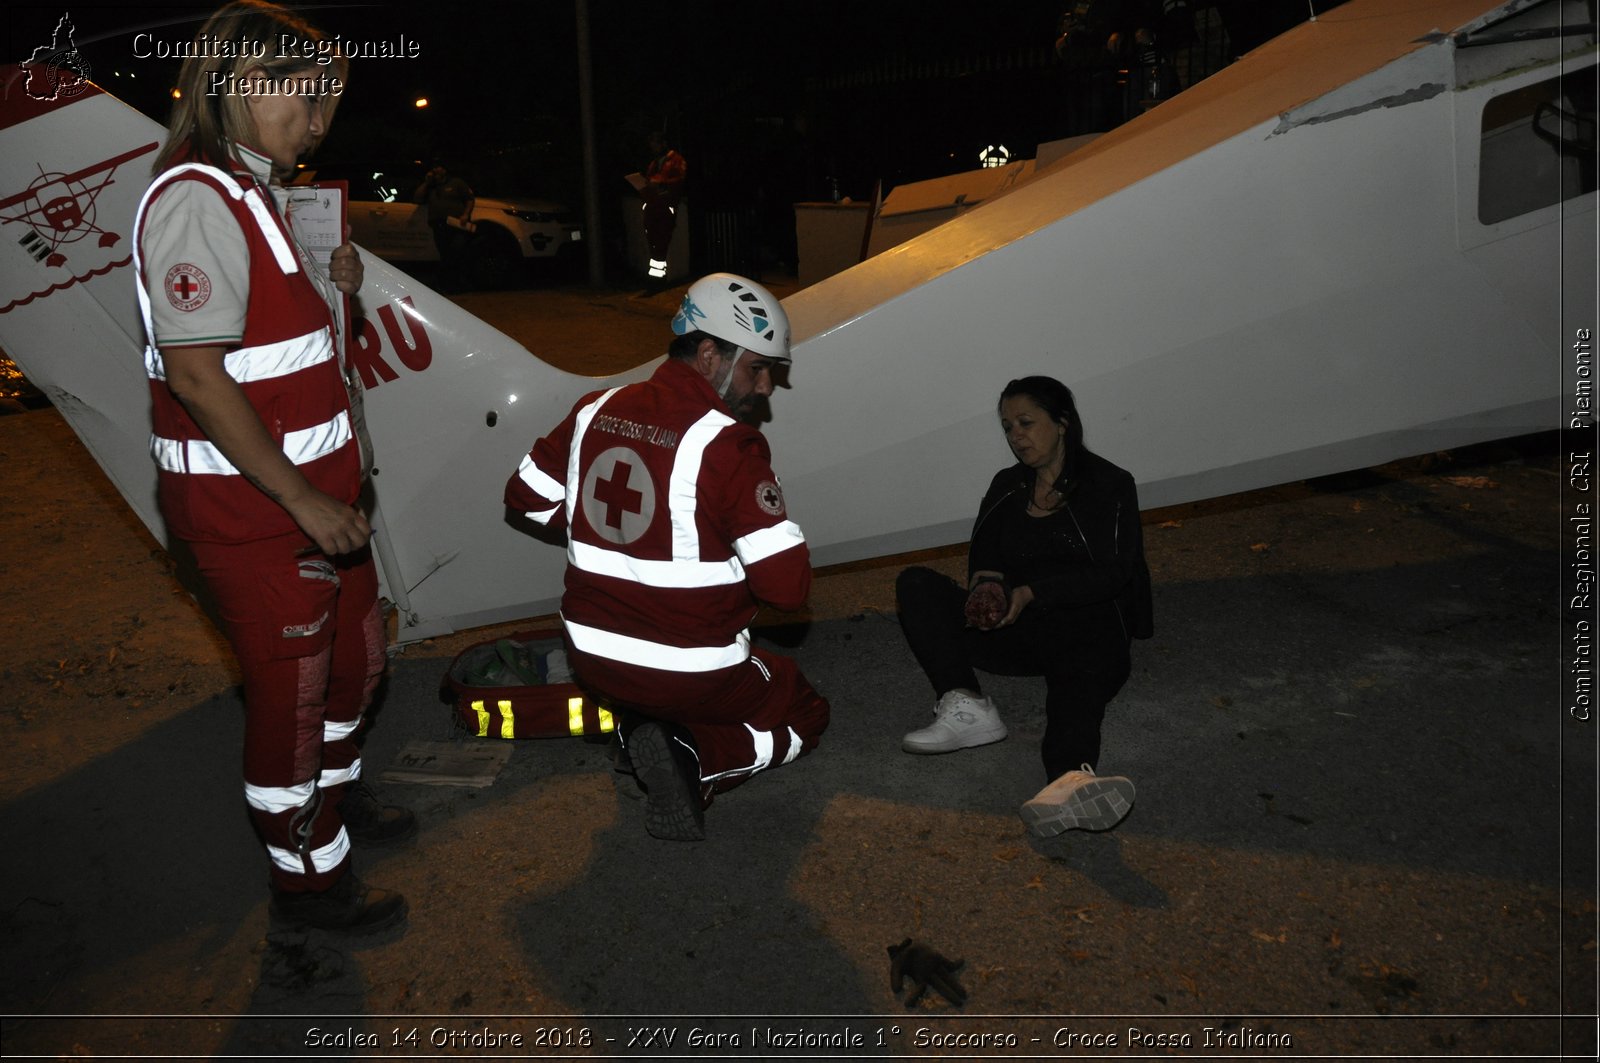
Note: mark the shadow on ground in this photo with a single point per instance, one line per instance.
(1335, 769)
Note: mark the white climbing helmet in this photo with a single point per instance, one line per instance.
(735, 310)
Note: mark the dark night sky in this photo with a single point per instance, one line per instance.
(735, 84)
(772, 101)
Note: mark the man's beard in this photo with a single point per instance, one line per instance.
(752, 410)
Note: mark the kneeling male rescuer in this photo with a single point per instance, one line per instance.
(676, 533)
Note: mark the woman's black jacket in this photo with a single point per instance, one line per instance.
(1106, 559)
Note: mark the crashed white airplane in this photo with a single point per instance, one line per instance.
(1372, 237)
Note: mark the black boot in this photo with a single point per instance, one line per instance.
(623, 778)
(672, 806)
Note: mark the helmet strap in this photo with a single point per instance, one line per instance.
(727, 380)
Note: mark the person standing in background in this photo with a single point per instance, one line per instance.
(663, 191)
(449, 201)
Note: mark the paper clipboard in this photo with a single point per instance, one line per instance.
(318, 216)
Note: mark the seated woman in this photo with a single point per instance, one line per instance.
(1057, 586)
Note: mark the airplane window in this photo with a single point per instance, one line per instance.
(1538, 146)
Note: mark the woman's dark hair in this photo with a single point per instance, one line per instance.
(1055, 399)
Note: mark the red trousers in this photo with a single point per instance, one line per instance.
(743, 719)
(309, 637)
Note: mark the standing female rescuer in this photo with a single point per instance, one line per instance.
(259, 462)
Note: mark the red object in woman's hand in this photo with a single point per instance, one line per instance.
(986, 605)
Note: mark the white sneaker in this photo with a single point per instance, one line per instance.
(961, 721)
(1079, 800)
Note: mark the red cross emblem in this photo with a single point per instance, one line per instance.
(188, 287)
(618, 496)
(769, 497)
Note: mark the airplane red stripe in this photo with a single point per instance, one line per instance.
(31, 296)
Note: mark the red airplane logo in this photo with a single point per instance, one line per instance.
(58, 208)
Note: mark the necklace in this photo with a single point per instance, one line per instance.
(1050, 501)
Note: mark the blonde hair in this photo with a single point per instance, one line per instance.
(205, 124)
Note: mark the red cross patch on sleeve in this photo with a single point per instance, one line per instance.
(769, 497)
(188, 287)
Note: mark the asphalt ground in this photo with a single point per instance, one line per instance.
(1365, 825)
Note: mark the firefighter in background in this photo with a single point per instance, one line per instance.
(676, 534)
(259, 465)
(663, 191)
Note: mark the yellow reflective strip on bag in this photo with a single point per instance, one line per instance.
(607, 722)
(483, 718)
(508, 720)
(575, 716)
